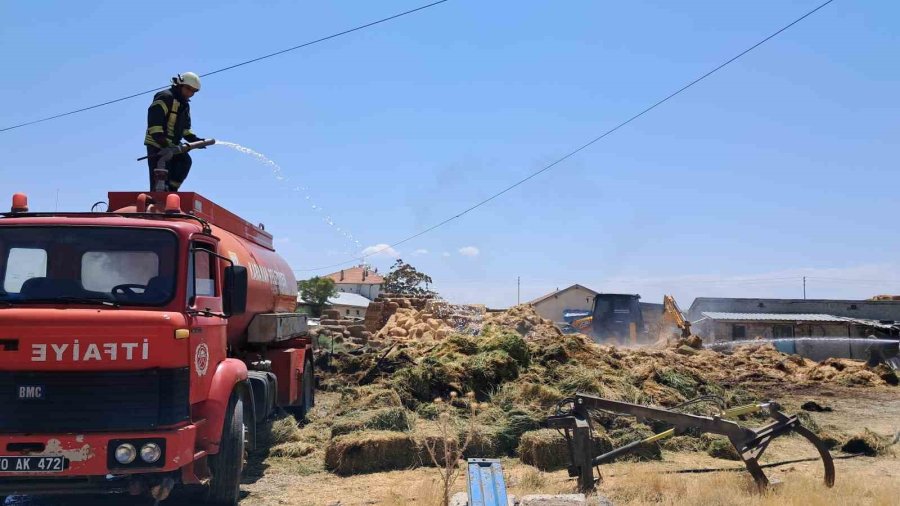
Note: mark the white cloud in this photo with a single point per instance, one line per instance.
(420, 251)
(380, 250)
(445, 254)
(469, 251)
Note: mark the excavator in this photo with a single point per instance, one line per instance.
(619, 317)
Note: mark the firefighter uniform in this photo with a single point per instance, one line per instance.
(169, 121)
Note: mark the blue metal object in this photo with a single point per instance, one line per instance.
(486, 484)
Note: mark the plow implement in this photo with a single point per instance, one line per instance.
(573, 418)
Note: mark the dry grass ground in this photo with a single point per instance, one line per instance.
(860, 481)
(287, 481)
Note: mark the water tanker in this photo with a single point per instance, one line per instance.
(141, 348)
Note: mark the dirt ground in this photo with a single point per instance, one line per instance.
(860, 480)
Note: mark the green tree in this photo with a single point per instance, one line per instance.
(404, 279)
(316, 292)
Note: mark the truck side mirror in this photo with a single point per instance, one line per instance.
(234, 301)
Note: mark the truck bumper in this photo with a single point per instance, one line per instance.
(90, 465)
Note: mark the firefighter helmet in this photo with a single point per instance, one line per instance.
(188, 78)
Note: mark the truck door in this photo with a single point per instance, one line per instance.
(207, 323)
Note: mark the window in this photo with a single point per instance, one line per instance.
(23, 264)
(357, 312)
(782, 331)
(738, 332)
(102, 270)
(204, 273)
(348, 312)
(86, 264)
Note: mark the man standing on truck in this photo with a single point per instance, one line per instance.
(169, 121)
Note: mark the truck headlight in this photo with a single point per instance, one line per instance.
(150, 453)
(126, 453)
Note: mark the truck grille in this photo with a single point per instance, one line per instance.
(93, 401)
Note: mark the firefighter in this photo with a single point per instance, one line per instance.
(169, 121)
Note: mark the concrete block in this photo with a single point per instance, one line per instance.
(554, 500)
(459, 499)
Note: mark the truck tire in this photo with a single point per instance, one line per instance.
(228, 464)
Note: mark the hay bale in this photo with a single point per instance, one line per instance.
(547, 450)
(831, 437)
(683, 444)
(284, 430)
(391, 418)
(293, 450)
(720, 447)
(484, 444)
(369, 452)
(636, 432)
(867, 443)
(886, 374)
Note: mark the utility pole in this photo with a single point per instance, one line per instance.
(804, 287)
(518, 290)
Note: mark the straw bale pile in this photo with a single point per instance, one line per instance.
(520, 366)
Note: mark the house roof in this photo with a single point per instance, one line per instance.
(883, 310)
(780, 317)
(359, 275)
(790, 317)
(344, 299)
(560, 292)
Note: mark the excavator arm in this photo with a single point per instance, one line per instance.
(672, 312)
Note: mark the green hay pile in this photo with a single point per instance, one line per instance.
(719, 447)
(683, 444)
(520, 367)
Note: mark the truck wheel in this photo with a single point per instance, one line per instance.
(227, 465)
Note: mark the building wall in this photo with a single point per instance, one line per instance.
(368, 291)
(577, 298)
(349, 311)
(722, 331)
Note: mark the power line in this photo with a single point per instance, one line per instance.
(577, 150)
(236, 65)
(849, 280)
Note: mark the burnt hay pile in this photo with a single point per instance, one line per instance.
(519, 366)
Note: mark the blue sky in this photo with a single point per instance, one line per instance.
(782, 165)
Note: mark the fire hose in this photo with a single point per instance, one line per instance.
(161, 173)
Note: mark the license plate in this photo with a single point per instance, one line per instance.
(32, 464)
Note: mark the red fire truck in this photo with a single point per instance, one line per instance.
(141, 347)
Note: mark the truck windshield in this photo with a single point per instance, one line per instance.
(46, 264)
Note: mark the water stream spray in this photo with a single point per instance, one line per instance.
(279, 175)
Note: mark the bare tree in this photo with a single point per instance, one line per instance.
(453, 437)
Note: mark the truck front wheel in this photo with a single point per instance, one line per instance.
(227, 465)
